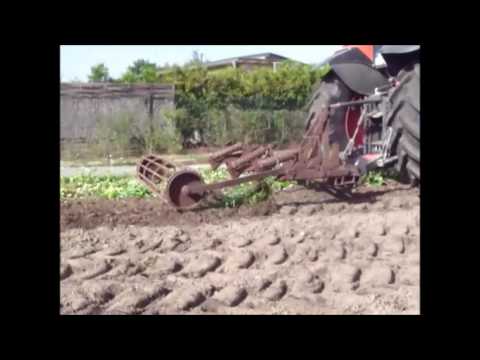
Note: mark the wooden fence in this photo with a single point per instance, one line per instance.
(84, 106)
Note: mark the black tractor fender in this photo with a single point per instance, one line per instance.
(399, 57)
(356, 71)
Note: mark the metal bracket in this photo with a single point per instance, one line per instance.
(348, 149)
(383, 162)
(384, 158)
(386, 144)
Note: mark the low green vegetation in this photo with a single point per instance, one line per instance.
(379, 177)
(110, 187)
(373, 178)
(119, 187)
(249, 193)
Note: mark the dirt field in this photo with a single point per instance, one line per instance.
(304, 252)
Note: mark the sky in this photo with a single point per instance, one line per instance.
(76, 60)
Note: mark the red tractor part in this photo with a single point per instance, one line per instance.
(368, 50)
(352, 116)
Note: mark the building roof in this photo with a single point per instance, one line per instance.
(261, 56)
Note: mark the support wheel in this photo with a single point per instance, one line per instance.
(177, 191)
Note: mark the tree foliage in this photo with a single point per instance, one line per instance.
(99, 73)
(201, 93)
(207, 100)
(197, 59)
(287, 88)
(142, 71)
(198, 89)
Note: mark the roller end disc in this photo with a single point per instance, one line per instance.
(176, 189)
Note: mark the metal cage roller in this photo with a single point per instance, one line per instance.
(153, 171)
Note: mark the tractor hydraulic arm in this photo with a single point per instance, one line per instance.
(374, 99)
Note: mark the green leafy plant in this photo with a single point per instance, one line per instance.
(374, 178)
(110, 187)
(118, 187)
(249, 193)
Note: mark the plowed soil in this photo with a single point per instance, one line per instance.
(303, 252)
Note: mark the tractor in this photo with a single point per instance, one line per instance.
(363, 115)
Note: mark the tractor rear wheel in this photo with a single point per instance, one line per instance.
(404, 117)
(331, 90)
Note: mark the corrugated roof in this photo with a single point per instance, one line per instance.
(246, 57)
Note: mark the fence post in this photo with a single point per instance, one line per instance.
(150, 115)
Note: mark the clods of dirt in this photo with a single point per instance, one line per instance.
(319, 256)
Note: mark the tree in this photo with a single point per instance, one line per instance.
(99, 73)
(140, 65)
(141, 71)
(197, 59)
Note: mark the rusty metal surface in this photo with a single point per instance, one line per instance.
(177, 190)
(277, 158)
(238, 166)
(152, 170)
(218, 157)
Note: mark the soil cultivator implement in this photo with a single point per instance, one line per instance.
(357, 122)
(314, 160)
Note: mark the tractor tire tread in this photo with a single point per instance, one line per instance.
(404, 116)
(411, 146)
